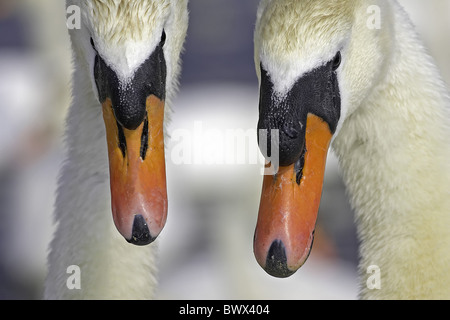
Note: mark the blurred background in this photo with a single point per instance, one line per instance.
(206, 246)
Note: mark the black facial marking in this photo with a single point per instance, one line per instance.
(337, 61)
(122, 140)
(144, 139)
(129, 99)
(163, 39)
(316, 92)
(93, 44)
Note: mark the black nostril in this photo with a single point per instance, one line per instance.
(276, 261)
(298, 167)
(140, 234)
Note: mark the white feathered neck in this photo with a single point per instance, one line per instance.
(85, 235)
(394, 152)
(393, 139)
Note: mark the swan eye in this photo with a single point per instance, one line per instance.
(163, 38)
(93, 44)
(337, 61)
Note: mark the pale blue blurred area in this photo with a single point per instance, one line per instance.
(206, 247)
(34, 77)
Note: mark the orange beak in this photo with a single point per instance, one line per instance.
(137, 173)
(288, 210)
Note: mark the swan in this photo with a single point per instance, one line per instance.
(126, 64)
(355, 76)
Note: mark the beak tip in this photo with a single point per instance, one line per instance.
(140, 234)
(276, 261)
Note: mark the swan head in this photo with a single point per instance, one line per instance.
(315, 64)
(130, 49)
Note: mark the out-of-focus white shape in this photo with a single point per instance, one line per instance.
(25, 109)
(22, 96)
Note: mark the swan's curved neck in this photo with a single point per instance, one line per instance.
(86, 236)
(394, 152)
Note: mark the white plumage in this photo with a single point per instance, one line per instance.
(392, 139)
(392, 144)
(86, 236)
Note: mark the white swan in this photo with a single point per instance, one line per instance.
(356, 71)
(126, 58)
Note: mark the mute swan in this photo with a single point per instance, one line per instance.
(126, 57)
(354, 74)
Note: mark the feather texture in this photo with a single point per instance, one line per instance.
(393, 138)
(85, 235)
